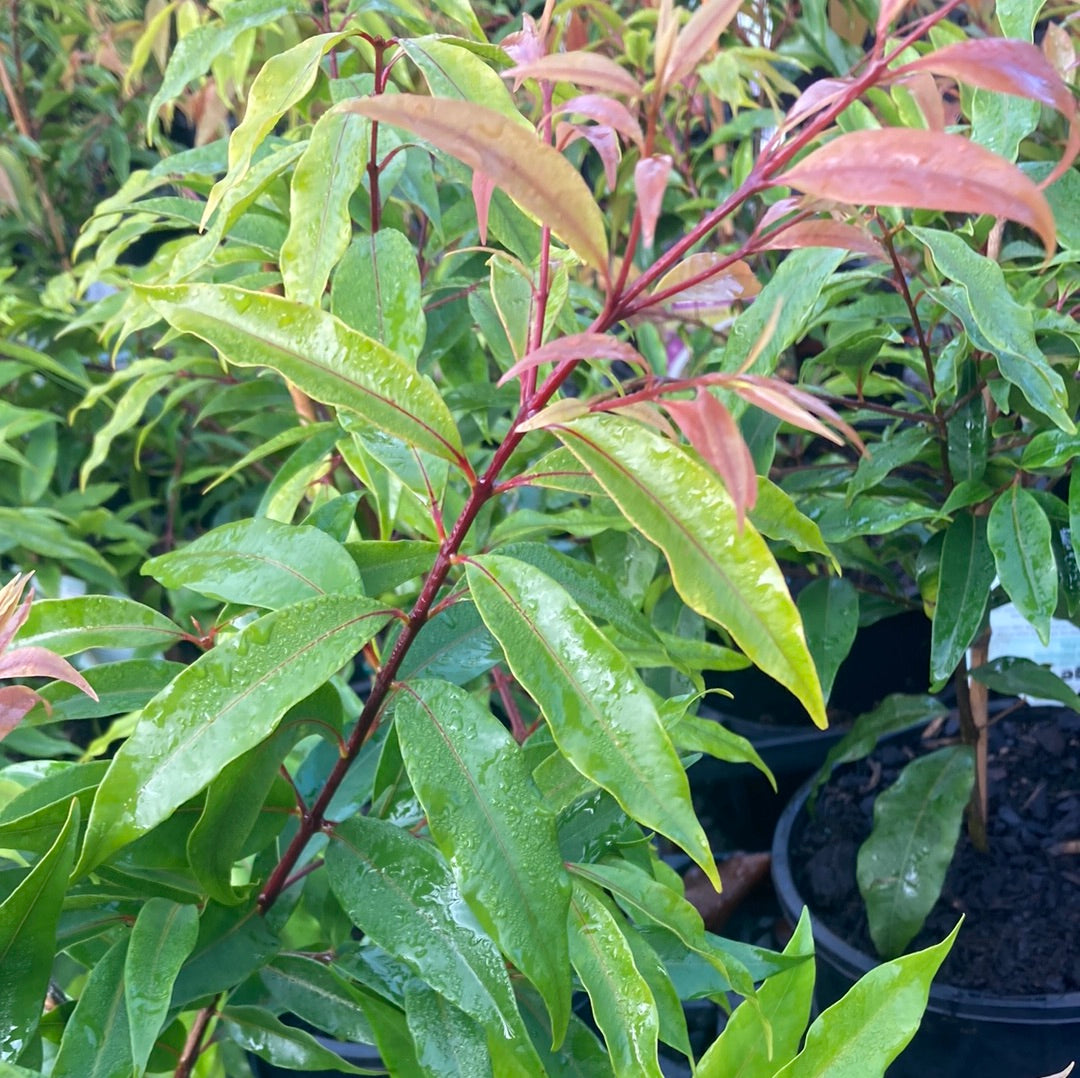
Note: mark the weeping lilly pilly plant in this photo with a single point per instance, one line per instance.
(410, 790)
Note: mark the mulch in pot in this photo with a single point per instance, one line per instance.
(1021, 901)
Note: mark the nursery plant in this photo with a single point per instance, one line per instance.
(958, 359)
(408, 775)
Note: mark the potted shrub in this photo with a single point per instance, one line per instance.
(472, 500)
(959, 359)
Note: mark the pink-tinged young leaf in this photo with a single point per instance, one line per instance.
(535, 176)
(562, 411)
(928, 170)
(698, 36)
(40, 662)
(579, 68)
(824, 234)
(644, 412)
(650, 181)
(667, 30)
(710, 299)
(482, 187)
(711, 430)
(15, 702)
(601, 138)
(604, 110)
(524, 46)
(817, 96)
(576, 346)
(1005, 66)
(12, 615)
(1059, 50)
(888, 12)
(788, 403)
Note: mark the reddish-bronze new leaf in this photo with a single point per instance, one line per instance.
(579, 68)
(928, 170)
(576, 346)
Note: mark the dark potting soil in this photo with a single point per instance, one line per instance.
(1021, 934)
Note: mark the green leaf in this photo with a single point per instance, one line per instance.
(200, 47)
(258, 1031)
(581, 1054)
(28, 919)
(1012, 676)
(598, 709)
(400, 892)
(494, 828)
(452, 71)
(319, 996)
(895, 713)
(376, 290)
(225, 703)
(997, 323)
(902, 865)
(791, 297)
(784, 1001)
(282, 82)
(693, 734)
(1018, 533)
(454, 646)
(30, 820)
(163, 936)
(328, 360)
(97, 1038)
(40, 531)
(1050, 449)
(448, 1042)
(896, 448)
(722, 572)
(859, 1036)
(259, 562)
(830, 616)
(967, 573)
(67, 626)
(968, 430)
(386, 565)
(775, 515)
(319, 223)
(622, 1004)
(121, 687)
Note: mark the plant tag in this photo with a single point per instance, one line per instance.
(1011, 634)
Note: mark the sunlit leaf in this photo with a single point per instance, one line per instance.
(589, 69)
(696, 38)
(650, 182)
(577, 346)
(930, 170)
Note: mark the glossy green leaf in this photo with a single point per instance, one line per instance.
(538, 178)
(997, 323)
(967, 573)
(775, 515)
(968, 430)
(39, 530)
(259, 562)
(98, 1036)
(30, 820)
(401, 893)
(1012, 676)
(376, 290)
(895, 713)
(318, 996)
(901, 866)
(722, 572)
(693, 734)
(1050, 449)
(454, 646)
(622, 1004)
(323, 181)
(328, 360)
(859, 1036)
(28, 919)
(581, 1055)
(449, 1044)
(258, 1031)
(494, 828)
(830, 616)
(784, 1001)
(121, 687)
(791, 296)
(599, 711)
(673, 1030)
(452, 71)
(876, 514)
(163, 936)
(67, 626)
(225, 703)
(386, 565)
(233, 944)
(897, 448)
(197, 49)
(281, 83)
(1018, 533)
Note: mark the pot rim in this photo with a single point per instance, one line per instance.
(1043, 1009)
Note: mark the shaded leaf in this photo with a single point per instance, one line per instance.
(259, 1032)
(448, 1042)
(901, 866)
(1012, 676)
(830, 614)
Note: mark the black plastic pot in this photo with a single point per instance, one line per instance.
(964, 1033)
